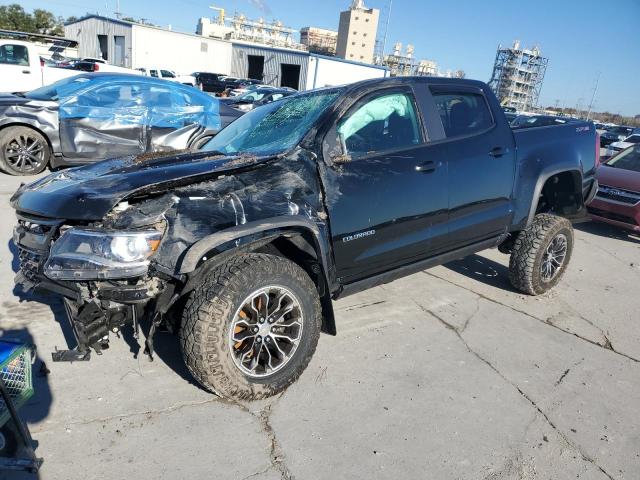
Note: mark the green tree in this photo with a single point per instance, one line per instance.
(46, 23)
(13, 17)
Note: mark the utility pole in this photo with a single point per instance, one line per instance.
(595, 90)
(117, 12)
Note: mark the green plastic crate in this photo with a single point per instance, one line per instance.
(15, 371)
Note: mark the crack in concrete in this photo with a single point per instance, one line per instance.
(277, 458)
(448, 326)
(261, 472)
(566, 372)
(169, 409)
(466, 322)
(606, 346)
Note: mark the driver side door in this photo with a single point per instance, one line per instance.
(387, 199)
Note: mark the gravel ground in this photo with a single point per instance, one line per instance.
(446, 374)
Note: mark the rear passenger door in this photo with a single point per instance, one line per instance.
(481, 157)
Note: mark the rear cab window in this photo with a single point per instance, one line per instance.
(462, 112)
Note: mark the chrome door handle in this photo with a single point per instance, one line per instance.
(426, 167)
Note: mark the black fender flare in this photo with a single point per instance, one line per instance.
(268, 228)
(545, 175)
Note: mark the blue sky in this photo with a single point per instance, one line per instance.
(581, 38)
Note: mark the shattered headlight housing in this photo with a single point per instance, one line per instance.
(85, 254)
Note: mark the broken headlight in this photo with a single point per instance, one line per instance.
(84, 254)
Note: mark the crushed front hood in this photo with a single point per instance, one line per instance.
(90, 192)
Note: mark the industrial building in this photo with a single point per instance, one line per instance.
(135, 45)
(517, 76)
(357, 32)
(239, 27)
(319, 40)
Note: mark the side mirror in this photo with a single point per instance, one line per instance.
(343, 156)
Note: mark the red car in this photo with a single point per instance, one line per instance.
(618, 199)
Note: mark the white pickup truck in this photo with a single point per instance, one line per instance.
(21, 69)
(170, 75)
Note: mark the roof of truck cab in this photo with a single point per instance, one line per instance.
(413, 80)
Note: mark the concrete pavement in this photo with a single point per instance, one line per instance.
(446, 374)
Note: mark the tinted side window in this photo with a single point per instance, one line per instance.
(14, 55)
(111, 96)
(463, 113)
(386, 122)
(153, 73)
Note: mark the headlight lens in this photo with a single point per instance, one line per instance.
(84, 254)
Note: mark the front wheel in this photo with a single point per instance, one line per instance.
(540, 254)
(250, 329)
(23, 151)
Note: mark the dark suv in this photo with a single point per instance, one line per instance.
(210, 82)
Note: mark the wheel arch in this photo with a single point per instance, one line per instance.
(558, 181)
(4, 126)
(296, 238)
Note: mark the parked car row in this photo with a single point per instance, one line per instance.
(218, 83)
(615, 134)
(94, 116)
(255, 97)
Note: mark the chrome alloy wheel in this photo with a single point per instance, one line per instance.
(553, 257)
(265, 331)
(25, 153)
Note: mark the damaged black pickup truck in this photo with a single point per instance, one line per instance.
(241, 247)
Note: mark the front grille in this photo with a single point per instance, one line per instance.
(31, 264)
(612, 216)
(618, 195)
(33, 239)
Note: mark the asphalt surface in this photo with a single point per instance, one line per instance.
(446, 374)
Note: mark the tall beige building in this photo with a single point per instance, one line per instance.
(357, 32)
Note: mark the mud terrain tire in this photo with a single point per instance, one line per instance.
(533, 247)
(212, 308)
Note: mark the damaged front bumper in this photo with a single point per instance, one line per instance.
(95, 308)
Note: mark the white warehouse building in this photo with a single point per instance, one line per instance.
(136, 45)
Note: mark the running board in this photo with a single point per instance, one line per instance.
(390, 276)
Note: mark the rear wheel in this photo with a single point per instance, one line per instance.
(251, 328)
(23, 151)
(540, 254)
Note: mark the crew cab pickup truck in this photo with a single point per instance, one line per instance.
(21, 69)
(241, 247)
